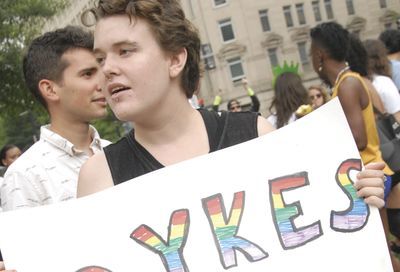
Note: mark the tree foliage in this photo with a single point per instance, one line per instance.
(20, 21)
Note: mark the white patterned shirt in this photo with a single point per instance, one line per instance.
(46, 173)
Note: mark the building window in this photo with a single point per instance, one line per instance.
(264, 20)
(382, 3)
(317, 11)
(288, 16)
(208, 56)
(273, 57)
(236, 69)
(218, 3)
(350, 7)
(328, 8)
(303, 53)
(300, 13)
(226, 30)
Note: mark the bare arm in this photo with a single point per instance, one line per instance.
(397, 116)
(352, 96)
(263, 126)
(255, 103)
(94, 176)
(2, 268)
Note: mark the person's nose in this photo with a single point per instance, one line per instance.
(110, 68)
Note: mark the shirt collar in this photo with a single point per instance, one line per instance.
(60, 142)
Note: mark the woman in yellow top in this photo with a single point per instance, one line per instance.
(330, 44)
(329, 47)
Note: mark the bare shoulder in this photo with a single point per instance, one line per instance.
(263, 126)
(350, 87)
(94, 175)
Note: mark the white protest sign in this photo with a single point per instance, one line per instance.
(282, 202)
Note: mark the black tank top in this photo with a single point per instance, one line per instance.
(128, 159)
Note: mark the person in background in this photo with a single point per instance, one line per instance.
(234, 104)
(379, 70)
(357, 58)
(289, 95)
(330, 44)
(318, 96)
(330, 47)
(62, 73)
(391, 40)
(8, 154)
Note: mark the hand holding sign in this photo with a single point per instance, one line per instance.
(273, 212)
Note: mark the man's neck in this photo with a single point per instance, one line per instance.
(78, 134)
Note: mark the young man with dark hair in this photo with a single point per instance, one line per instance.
(62, 73)
(391, 39)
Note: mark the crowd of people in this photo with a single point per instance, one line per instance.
(144, 62)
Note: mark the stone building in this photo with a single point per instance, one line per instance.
(246, 38)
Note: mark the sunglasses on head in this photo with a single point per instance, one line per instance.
(312, 97)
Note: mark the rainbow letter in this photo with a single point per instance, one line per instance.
(93, 269)
(171, 252)
(224, 233)
(284, 214)
(356, 216)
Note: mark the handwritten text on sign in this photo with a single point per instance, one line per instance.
(282, 202)
(225, 228)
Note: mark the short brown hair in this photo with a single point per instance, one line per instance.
(43, 59)
(170, 26)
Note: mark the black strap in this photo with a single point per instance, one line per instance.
(216, 123)
(222, 128)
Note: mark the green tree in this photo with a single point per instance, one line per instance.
(20, 22)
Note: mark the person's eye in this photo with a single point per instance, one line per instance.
(125, 52)
(88, 74)
(100, 60)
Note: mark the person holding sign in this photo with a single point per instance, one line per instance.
(149, 54)
(330, 48)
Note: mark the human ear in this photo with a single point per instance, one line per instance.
(178, 61)
(48, 90)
